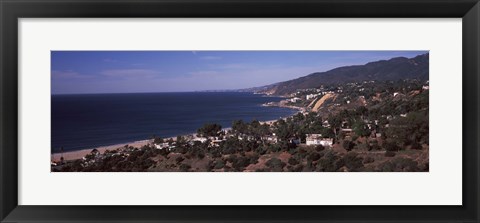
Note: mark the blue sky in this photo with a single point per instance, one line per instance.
(80, 72)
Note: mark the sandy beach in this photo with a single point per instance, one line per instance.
(78, 154)
(73, 155)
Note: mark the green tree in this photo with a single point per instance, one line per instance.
(239, 126)
(209, 130)
(348, 145)
(157, 140)
(361, 129)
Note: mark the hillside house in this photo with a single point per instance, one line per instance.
(272, 139)
(347, 132)
(216, 142)
(311, 96)
(317, 139)
(326, 124)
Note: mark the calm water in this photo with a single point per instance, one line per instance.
(86, 121)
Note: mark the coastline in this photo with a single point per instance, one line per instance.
(282, 104)
(79, 154)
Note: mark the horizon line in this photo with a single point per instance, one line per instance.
(153, 92)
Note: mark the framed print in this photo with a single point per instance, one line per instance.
(288, 111)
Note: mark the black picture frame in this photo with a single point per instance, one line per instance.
(12, 10)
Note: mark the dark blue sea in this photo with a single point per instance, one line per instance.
(92, 120)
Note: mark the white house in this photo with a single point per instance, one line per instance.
(216, 142)
(326, 124)
(317, 139)
(295, 99)
(200, 139)
(311, 96)
(161, 145)
(272, 139)
(313, 139)
(326, 142)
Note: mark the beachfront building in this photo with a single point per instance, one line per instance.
(161, 145)
(199, 139)
(294, 100)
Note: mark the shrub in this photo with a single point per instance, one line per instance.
(276, 164)
(352, 161)
(405, 164)
(374, 145)
(389, 154)
(240, 163)
(368, 159)
(210, 166)
(201, 155)
(254, 159)
(391, 146)
(292, 161)
(185, 167)
(329, 162)
(416, 145)
(313, 157)
(354, 137)
(232, 158)
(399, 165)
(298, 168)
(348, 145)
(179, 159)
(364, 146)
(219, 164)
(319, 148)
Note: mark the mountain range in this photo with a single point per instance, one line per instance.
(384, 70)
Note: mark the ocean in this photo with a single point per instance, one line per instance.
(92, 120)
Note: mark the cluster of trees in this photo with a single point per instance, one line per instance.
(402, 121)
(254, 129)
(209, 130)
(299, 125)
(137, 160)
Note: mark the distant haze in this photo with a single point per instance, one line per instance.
(86, 72)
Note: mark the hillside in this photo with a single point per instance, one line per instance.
(394, 69)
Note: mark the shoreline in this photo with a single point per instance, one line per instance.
(79, 154)
(281, 105)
